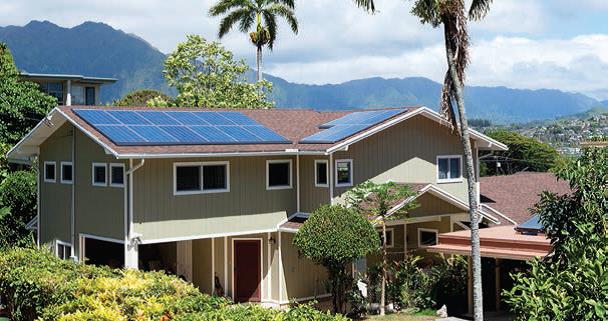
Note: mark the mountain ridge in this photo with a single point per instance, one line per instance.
(98, 49)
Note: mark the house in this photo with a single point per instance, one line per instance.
(216, 196)
(506, 247)
(70, 89)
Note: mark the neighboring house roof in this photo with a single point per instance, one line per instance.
(100, 80)
(293, 124)
(512, 196)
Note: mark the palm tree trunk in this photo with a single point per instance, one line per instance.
(472, 188)
(383, 286)
(259, 63)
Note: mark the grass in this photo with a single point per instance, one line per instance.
(424, 315)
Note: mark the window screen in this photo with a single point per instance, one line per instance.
(428, 238)
(214, 177)
(188, 178)
(66, 172)
(344, 173)
(278, 174)
(49, 171)
(117, 175)
(321, 169)
(99, 174)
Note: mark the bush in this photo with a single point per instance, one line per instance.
(35, 285)
(17, 208)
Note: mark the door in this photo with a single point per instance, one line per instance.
(89, 96)
(247, 270)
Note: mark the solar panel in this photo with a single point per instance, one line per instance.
(531, 226)
(153, 127)
(349, 125)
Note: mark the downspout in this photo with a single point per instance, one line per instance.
(331, 179)
(68, 96)
(72, 220)
(298, 183)
(128, 196)
(38, 200)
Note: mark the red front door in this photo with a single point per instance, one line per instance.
(247, 273)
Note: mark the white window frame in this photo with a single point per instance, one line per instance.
(54, 180)
(279, 161)
(62, 243)
(449, 180)
(116, 165)
(392, 231)
(352, 169)
(95, 165)
(61, 173)
(201, 165)
(322, 161)
(422, 229)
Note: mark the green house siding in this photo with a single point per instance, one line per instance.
(311, 196)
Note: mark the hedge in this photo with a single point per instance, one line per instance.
(35, 285)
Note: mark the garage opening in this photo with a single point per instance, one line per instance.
(100, 252)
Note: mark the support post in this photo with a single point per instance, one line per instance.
(68, 96)
(497, 282)
(212, 266)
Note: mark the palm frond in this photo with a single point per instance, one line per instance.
(271, 25)
(224, 6)
(368, 5)
(234, 17)
(287, 14)
(479, 9)
(291, 4)
(427, 11)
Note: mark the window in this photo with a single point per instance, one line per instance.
(196, 178)
(78, 97)
(99, 174)
(344, 172)
(449, 168)
(278, 174)
(54, 89)
(389, 237)
(427, 237)
(49, 172)
(117, 175)
(63, 250)
(89, 93)
(321, 173)
(66, 172)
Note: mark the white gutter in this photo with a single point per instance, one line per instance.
(72, 214)
(298, 183)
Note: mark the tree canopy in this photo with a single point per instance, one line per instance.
(141, 97)
(205, 74)
(524, 154)
(572, 282)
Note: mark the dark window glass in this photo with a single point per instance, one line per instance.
(118, 175)
(214, 177)
(344, 173)
(188, 178)
(428, 238)
(278, 174)
(443, 168)
(90, 96)
(99, 175)
(454, 167)
(49, 172)
(389, 237)
(54, 89)
(322, 173)
(66, 172)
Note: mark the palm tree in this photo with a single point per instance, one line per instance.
(261, 12)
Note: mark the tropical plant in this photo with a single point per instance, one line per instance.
(453, 16)
(380, 203)
(571, 283)
(17, 208)
(22, 104)
(205, 74)
(524, 154)
(334, 236)
(141, 98)
(262, 13)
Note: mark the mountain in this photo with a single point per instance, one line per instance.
(90, 49)
(97, 49)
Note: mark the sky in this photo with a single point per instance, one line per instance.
(527, 44)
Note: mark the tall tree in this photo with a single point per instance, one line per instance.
(263, 13)
(453, 16)
(380, 203)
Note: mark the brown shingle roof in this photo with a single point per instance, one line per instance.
(293, 124)
(514, 195)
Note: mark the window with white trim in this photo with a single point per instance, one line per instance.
(99, 174)
(278, 174)
(449, 168)
(117, 175)
(49, 172)
(321, 173)
(390, 241)
(67, 173)
(344, 172)
(63, 250)
(206, 177)
(427, 237)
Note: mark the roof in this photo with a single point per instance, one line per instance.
(293, 124)
(69, 77)
(496, 242)
(514, 195)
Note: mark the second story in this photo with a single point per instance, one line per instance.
(184, 172)
(70, 89)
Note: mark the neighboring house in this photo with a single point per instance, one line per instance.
(505, 248)
(216, 196)
(70, 89)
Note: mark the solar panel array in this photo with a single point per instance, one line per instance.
(350, 124)
(151, 127)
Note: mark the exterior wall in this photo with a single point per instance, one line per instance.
(248, 206)
(302, 277)
(55, 198)
(311, 196)
(430, 205)
(405, 153)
